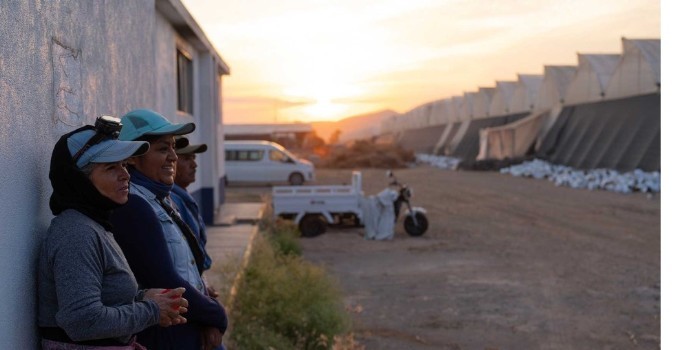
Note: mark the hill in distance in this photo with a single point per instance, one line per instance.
(354, 127)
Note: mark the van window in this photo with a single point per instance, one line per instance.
(252, 155)
(244, 155)
(277, 156)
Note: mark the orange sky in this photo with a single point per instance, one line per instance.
(308, 60)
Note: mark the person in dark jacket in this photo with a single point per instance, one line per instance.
(161, 249)
(87, 294)
(185, 175)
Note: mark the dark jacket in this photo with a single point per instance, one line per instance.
(138, 231)
(189, 210)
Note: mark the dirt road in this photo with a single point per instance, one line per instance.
(507, 263)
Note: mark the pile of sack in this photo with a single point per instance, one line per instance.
(594, 179)
(441, 162)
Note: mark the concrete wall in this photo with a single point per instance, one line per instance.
(62, 64)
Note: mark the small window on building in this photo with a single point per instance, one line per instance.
(184, 82)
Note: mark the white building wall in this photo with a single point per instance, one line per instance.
(165, 60)
(206, 113)
(62, 64)
(211, 170)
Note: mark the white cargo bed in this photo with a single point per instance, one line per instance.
(330, 201)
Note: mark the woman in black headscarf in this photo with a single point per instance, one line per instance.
(88, 296)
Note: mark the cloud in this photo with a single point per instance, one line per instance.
(360, 100)
(267, 102)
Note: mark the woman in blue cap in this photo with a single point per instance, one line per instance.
(87, 295)
(161, 249)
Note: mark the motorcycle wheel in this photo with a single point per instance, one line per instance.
(312, 225)
(418, 229)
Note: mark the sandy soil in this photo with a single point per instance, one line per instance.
(507, 263)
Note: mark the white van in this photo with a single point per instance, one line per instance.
(264, 162)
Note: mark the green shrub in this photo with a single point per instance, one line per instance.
(284, 238)
(284, 302)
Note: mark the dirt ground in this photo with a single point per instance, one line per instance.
(507, 263)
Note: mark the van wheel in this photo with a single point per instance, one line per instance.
(312, 225)
(296, 179)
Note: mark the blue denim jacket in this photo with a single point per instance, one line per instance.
(189, 211)
(182, 257)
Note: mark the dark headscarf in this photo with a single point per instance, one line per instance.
(72, 189)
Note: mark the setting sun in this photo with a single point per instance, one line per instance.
(323, 92)
(325, 110)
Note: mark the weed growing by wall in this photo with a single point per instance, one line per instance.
(283, 301)
(284, 238)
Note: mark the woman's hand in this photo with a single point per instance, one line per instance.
(171, 305)
(211, 291)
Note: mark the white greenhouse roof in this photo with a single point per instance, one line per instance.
(650, 50)
(526, 91)
(603, 65)
(500, 102)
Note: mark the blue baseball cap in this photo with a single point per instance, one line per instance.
(107, 151)
(140, 122)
